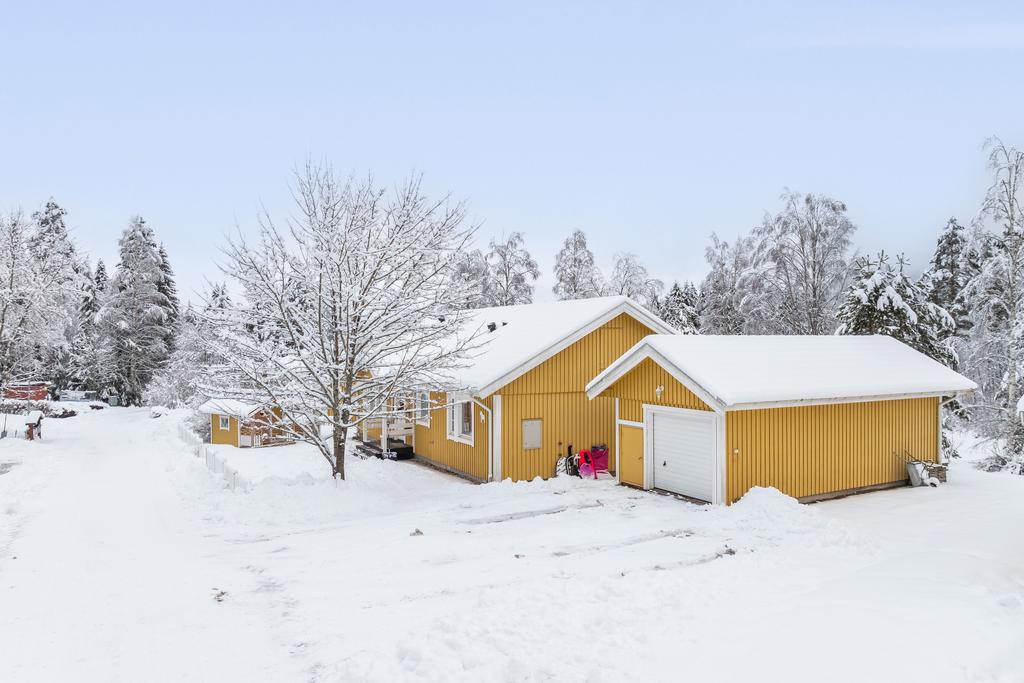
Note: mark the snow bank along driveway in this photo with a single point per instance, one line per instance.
(122, 558)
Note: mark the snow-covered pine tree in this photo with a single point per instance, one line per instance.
(169, 289)
(949, 275)
(694, 299)
(362, 304)
(511, 271)
(57, 262)
(576, 275)
(135, 317)
(92, 357)
(678, 308)
(883, 300)
(100, 278)
(630, 278)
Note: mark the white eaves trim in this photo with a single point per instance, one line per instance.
(627, 306)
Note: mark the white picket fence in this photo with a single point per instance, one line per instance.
(213, 463)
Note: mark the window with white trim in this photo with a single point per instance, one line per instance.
(225, 423)
(532, 434)
(423, 408)
(460, 421)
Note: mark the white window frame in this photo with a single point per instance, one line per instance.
(540, 433)
(454, 420)
(423, 408)
(224, 424)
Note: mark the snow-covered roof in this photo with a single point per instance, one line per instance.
(739, 371)
(525, 336)
(228, 406)
(33, 417)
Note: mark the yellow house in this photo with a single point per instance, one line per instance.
(523, 401)
(237, 423)
(709, 417)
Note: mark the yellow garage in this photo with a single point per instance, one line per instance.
(709, 417)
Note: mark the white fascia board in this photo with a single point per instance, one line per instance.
(634, 311)
(833, 401)
(715, 403)
(614, 372)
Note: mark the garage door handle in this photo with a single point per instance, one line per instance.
(664, 463)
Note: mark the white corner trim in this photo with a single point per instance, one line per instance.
(618, 452)
(628, 307)
(496, 418)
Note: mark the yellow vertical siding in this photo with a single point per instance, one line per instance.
(221, 436)
(639, 386)
(432, 442)
(554, 393)
(569, 418)
(814, 450)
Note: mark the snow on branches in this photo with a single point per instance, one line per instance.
(353, 301)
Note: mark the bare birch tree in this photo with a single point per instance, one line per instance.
(350, 303)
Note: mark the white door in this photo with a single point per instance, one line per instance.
(683, 446)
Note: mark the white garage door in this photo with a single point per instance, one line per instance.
(684, 453)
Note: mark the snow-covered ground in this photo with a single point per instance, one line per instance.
(123, 558)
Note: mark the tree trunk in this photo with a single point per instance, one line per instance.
(339, 441)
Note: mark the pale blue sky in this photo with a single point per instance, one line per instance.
(649, 125)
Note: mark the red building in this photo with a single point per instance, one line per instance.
(28, 391)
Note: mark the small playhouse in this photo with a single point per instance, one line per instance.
(238, 423)
(709, 417)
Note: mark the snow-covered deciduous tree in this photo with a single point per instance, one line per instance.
(357, 302)
(679, 308)
(882, 299)
(511, 271)
(135, 317)
(801, 264)
(995, 303)
(576, 275)
(37, 283)
(472, 276)
(721, 290)
(630, 278)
